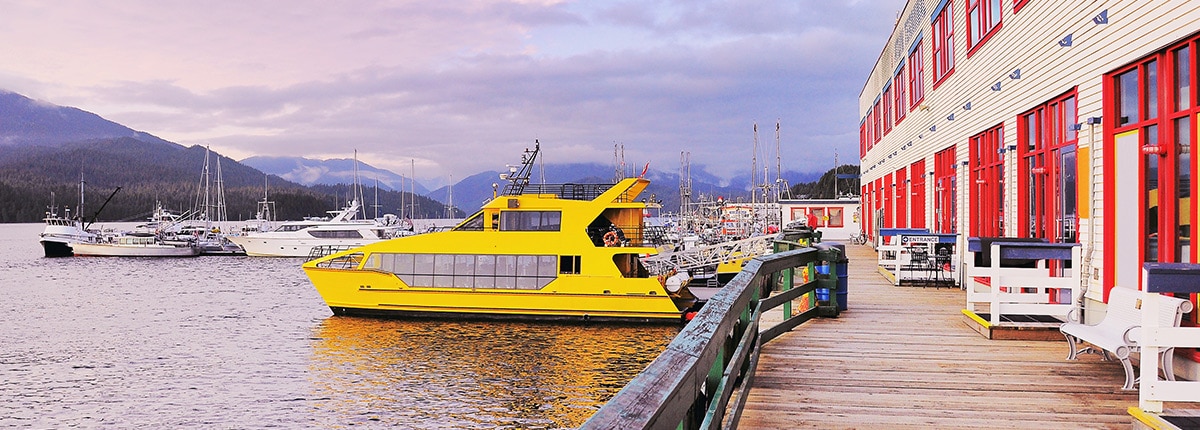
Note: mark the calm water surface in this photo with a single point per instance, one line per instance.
(242, 342)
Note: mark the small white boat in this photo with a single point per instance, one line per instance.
(135, 246)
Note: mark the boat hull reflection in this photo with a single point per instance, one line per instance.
(471, 374)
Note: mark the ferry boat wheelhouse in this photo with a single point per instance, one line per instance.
(557, 252)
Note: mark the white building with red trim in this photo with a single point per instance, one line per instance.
(1073, 122)
(837, 219)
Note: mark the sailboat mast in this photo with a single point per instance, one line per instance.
(835, 174)
(412, 186)
(778, 164)
(754, 168)
(376, 196)
(450, 198)
(79, 209)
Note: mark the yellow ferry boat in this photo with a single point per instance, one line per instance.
(557, 252)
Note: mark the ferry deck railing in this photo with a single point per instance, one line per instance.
(693, 382)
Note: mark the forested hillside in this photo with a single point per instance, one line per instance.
(149, 172)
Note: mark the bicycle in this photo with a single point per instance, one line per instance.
(858, 239)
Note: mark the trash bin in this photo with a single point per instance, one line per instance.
(842, 278)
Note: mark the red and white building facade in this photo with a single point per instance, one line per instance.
(1068, 121)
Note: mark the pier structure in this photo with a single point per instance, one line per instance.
(896, 357)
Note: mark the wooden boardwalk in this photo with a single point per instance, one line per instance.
(901, 357)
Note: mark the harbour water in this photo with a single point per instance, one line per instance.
(244, 342)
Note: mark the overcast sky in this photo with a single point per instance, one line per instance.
(462, 86)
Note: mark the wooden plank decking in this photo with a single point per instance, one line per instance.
(901, 357)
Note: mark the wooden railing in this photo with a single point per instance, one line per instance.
(691, 384)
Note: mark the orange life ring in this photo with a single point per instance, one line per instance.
(610, 238)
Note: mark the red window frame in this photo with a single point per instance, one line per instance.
(916, 75)
(877, 123)
(987, 183)
(862, 140)
(942, 33)
(983, 21)
(1018, 4)
(917, 194)
(945, 191)
(1154, 97)
(887, 110)
(1047, 142)
(837, 216)
(901, 98)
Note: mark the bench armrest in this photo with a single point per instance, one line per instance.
(1129, 334)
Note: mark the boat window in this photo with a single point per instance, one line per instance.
(547, 266)
(530, 220)
(373, 262)
(474, 223)
(294, 227)
(485, 271)
(404, 263)
(443, 270)
(464, 271)
(506, 265)
(470, 271)
(527, 265)
(336, 234)
(568, 264)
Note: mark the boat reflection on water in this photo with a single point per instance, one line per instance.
(435, 373)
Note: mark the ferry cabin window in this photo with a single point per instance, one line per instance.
(528, 272)
(474, 223)
(530, 220)
(568, 264)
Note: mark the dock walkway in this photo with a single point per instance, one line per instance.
(901, 357)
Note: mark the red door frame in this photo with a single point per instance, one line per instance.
(945, 190)
(1161, 120)
(917, 204)
(902, 197)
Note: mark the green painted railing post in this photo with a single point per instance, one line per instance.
(788, 276)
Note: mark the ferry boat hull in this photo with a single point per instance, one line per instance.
(378, 294)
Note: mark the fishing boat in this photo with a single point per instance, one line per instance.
(62, 232)
(553, 252)
(133, 245)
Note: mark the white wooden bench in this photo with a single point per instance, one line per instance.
(1119, 332)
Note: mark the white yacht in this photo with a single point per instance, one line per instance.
(342, 231)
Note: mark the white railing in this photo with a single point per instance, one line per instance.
(709, 255)
(1155, 337)
(1025, 290)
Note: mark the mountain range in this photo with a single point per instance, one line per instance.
(48, 149)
